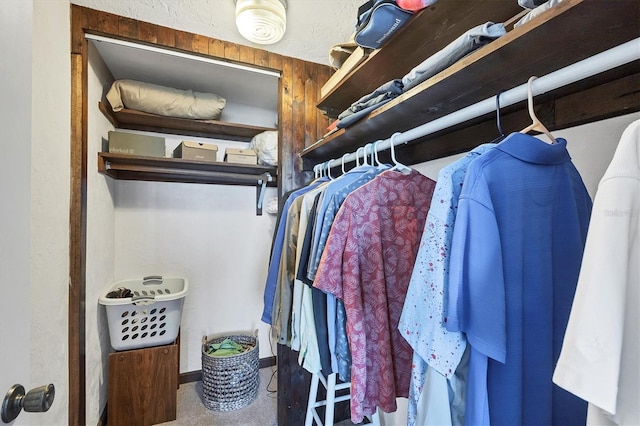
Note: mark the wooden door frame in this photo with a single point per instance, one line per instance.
(300, 125)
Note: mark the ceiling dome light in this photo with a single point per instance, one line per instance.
(261, 21)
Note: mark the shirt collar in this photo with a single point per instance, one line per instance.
(533, 150)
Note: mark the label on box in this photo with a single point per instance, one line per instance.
(134, 144)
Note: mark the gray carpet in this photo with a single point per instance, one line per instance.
(261, 412)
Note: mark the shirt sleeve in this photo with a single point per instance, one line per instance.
(476, 302)
(329, 275)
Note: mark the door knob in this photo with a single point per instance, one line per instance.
(37, 400)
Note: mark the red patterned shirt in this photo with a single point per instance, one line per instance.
(367, 262)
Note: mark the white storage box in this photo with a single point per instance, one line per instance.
(151, 317)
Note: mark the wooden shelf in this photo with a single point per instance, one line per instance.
(155, 169)
(137, 120)
(571, 31)
(131, 167)
(425, 34)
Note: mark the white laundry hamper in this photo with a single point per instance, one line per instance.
(151, 317)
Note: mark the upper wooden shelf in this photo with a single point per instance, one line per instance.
(426, 33)
(569, 32)
(132, 167)
(137, 120)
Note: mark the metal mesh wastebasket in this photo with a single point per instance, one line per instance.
(230, 382)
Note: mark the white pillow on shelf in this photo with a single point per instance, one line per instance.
(165, 101)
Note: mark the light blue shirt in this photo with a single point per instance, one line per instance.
(423, 316)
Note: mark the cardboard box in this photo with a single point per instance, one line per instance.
(240, 156)
(196, 151)
(134, 144)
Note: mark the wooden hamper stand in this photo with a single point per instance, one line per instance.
(143, 385)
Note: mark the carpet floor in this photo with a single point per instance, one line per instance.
(261, 412)
(191, 410)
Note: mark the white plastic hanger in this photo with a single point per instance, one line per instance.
(371, 147)
(397, 165)
(329, 169)
(318, 171)
(375, 153)
(378, 164)
(537, 124)
(358, 158)
(344, 155)
(365, 160)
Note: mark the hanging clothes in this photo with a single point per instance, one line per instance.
(304, 325)
(276, 253)
(600, 355)
(319, 304)
(423, 319)
(283, 304)
(299, 279)
(517, 246)
(334, 195)
(300, 310)
(367, 262)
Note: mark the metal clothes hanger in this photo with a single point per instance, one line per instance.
(537, 124)
(498, 115)
(501, 135)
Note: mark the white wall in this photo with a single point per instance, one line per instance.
(16, 21)
(50, 182)
(100, 245)
(247, 114)
(592, 147)
(209, 234)
(35, 141)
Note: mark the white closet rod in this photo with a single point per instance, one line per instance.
(604, 61)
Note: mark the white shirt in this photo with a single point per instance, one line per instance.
(600, 357)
